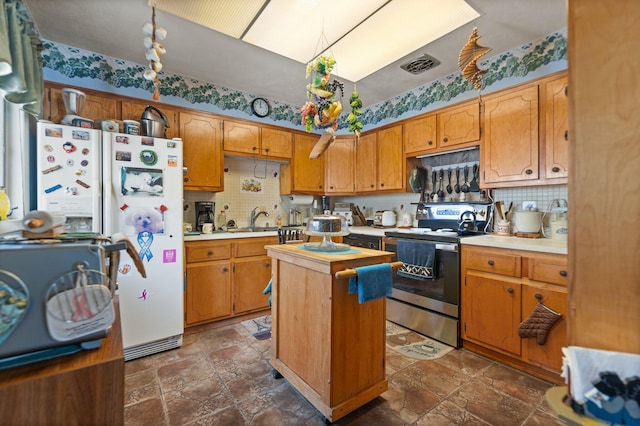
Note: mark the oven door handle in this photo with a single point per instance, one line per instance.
(447, 247)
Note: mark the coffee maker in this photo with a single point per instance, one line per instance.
(204, 213)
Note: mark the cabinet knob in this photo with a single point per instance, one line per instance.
(563, 273)
(555, 169)
(267, 264)
(510, 290)
(382, 184)
(528, 171)
(430, 143)
(566, 135)
(186, 179)
(255, 148)
(538, 296)
(372, 186)
(445, 140)
(491, 263)
(210, 253)
(331, 187)
(225, 269)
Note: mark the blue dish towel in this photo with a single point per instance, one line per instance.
(372, 282)
(418, 258)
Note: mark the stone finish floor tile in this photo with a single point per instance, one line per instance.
(221, 376)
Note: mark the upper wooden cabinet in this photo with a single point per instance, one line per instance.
(444, 130)
(526, 135)
(391, 163)
(202, 150)
(340, 166)
(556, 115)
(246, 139)
(307, 175)
(511, 136)
(132, 110)
(366, 163)
(95, 107)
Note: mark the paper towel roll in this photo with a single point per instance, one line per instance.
(301, 200)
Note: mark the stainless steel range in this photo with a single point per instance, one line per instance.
(426, 297)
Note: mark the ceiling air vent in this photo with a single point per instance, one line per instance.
(420, 64)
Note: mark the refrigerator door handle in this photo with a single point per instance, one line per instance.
(184, 170)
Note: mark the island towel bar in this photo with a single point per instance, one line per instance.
(347, 273)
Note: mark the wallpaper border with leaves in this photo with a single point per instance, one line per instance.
(78, 63)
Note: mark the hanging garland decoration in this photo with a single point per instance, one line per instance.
(355, 125)
(154, 49)
(469, 56)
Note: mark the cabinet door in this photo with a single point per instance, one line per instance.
(366, 167)
(241, 138)
(340, 158)
(511, 137)
(95, 107)
(208, 294)
(556, 129)
(250, 277)
(276, 143)
(459, 125)
(308, 174)
(548, 355)
(201, 134)
(390, 159)
(420, 135)
(491, 311)
(132, 110)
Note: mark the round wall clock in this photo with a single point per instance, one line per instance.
(260, 107)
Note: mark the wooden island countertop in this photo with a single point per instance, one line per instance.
(327, 345)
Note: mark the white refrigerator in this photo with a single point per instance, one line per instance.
(142, 199)
(111, 183)
(69, 175)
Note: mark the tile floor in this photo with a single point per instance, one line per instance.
(221, 376)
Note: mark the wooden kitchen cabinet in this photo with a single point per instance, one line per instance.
(511, 136)
(340, 166)
(208, 294)
(225, 278)
(459, 125)
(421, 135)
(307, 176)
(241, 138)
(500, 290)
(95, 107)
(276, 143)
(365, 164)
(556, 143)
(443, 130)
(203, 159)
(132, 110)
(251, 273)
(390, 159)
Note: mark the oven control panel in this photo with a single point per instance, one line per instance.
(452, 211)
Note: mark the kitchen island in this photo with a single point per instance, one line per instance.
(327, 345)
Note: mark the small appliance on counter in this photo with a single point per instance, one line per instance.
(204, 213)
(528, 223)
(344, 209)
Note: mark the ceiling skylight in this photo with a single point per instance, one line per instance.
(362, 35)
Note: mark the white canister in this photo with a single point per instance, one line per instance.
(503, 227)
(559, 230)
(388, 218)
(207, 228)
(528, 221)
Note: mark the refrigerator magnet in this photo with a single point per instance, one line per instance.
(69, 162)
(84, 163)
(123, 156)
(145, 239)
(85, 151)
(82, 135)
(48, 148)
(51, 158)
(172, 161)
(147, 140)
(53, 132)
(81, 183)
(51, 169)
(53, 188)
(148, 157)
(122, 139)
(68, 147)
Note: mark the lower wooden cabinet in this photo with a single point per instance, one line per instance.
(225, 278)
(500, 289)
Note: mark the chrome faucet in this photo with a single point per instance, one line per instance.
(254, 216)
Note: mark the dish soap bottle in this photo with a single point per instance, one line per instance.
(222, 220)
(4, 204)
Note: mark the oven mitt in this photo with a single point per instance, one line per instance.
(539, 323)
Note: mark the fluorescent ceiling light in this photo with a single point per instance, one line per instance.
(363, 36)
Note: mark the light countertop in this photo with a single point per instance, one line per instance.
(544, 245)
